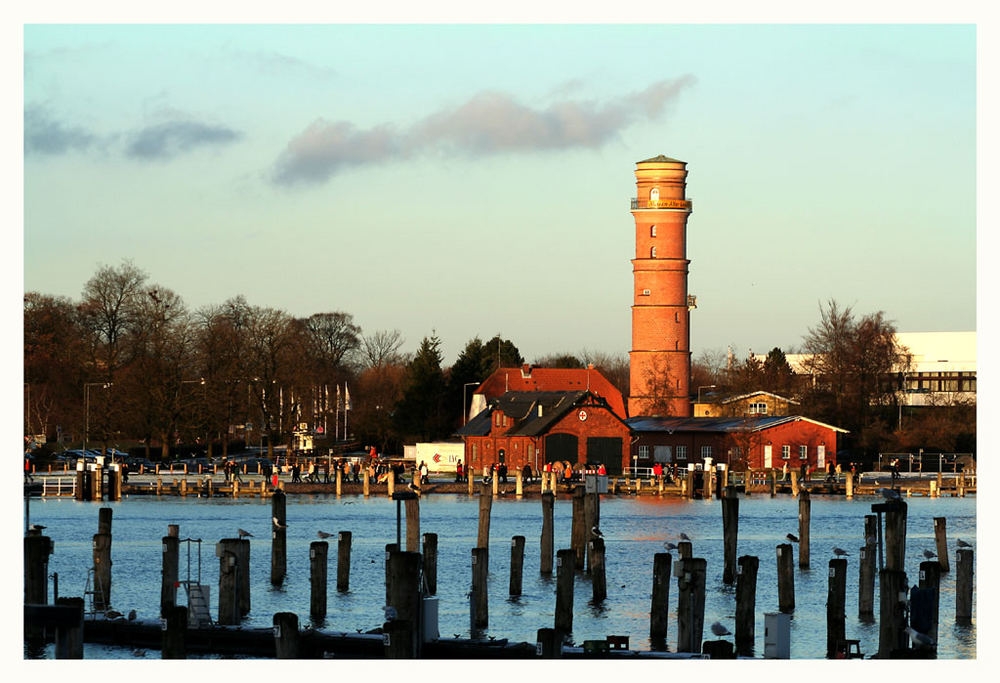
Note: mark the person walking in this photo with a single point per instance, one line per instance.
(526, 473)
(28, 476)
(458, 471)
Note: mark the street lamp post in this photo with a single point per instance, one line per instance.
(86, 410)
(465, 412)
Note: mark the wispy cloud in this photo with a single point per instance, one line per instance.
(280, 64)
(168, 139)
(43, 134)
(488, 123)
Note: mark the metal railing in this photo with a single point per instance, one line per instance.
(58, 486)
(921, 463)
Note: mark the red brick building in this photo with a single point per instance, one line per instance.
(737, 441)
(535, 427)
(528, 378)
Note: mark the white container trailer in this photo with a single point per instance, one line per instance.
(440, 456)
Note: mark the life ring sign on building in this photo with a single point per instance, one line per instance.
(582, 415)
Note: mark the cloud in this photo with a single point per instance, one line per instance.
(488, 123)
(168, 139)
(44, 135)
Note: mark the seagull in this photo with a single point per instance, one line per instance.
(413, 487)
(929, 555)
(720, 630)
(37, 527)
(919, 638)
(792, 537)
(685, 537)
(277, 524)
(596, 532)
(323, 534)
(889, 494)
(131, 615)
(669, 546)
(111, 614)
(840, 552)
(244, 534)
(961, 543)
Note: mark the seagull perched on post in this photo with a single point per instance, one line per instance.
(243, 533)
(919, 638)
(277, 524)
(596, 532)
(323, 534)
(961, 543)
(131, 615)
(39, 527)
(840, 552)
(929, 555)
(669, 546)
(413, 487)
(685, 537)
(792, 537)
(889, 494)
(720, 630)
(112, 614)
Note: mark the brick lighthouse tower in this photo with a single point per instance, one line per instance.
(660, 359)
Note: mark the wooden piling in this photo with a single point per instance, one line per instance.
(518, 483)
(805, 514)
(69, 637)
(786, 579)
(836, 598)
(286, 635)
(36, 569)
(104, 519)
(941, 539)
(707, 484)
(390, 548)
(480, 617)
(690, 604)
(964, 564)
(340, 477)
(746, 605)
(172, 644)
(404, 599)
(365, 483)
(866, 583)
(234, 579)
(893, 595)
(547, 541)
(545, 644)
(684, 550)
(470, 480)
(659, 609)
(516, 564)
(773, 481)
(343, 561)
(318, 551)
(115, 482)
(278, 538)
(730, 533)
(591, 519)
(597, 573)
(169, 573)
(495, 483)
(579, 531)
(102, 571)
(391, 483)
(485, 506)
(689, 485)
(930, 579)
(795, 482)
(895, 535)
(430, 550)
(849, 484)
(565, 571)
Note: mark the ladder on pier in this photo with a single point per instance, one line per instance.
(198, 593)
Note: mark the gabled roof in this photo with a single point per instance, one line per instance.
(731, 399)
(529, 379)
(717, 424)
(523, 409)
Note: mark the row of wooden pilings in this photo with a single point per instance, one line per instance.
(411, 577)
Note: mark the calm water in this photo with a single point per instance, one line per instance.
(634, 530)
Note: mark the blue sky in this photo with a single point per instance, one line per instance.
(475, 179)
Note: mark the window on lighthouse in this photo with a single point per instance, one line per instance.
(652, 252)
(654, 194)
(652, 231)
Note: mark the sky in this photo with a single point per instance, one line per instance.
(472, 179)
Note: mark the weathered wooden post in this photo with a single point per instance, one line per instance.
(390, 548)
(169, 573)
(286, 635)
(547, 541)
(964, 564)
(805, 513)
(659, 609)
(172, 644)
(82, 491)
(339, 481)
(690, 484)
(591, 519)
(430, 554)
(102, 561)
(404, 599)
(772, 481)
(795, 482)
(37, 549)
(412, 524)
(597, 573)
(867, 570)
(480, 597)
(746, 605)
(730, 533)
(849, 483)
(926, 620)
(684, 550)
(470, 479)
(579, 532)
(786, 579)
(893, 594)
(343, 561)
(941, 538)
(565, 571)
(895, 533)
(365, 483)
(836, 597)
(278, 539)
(690, 604)
(115, 482)
(69, 637)
(229, 603)
(545, 641)
(707, 482)
(318, 551)
(495, 483)
(485, 505)
(390, 482)
(516, 564)
(518, 483)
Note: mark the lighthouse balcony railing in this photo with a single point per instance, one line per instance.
(679, 204)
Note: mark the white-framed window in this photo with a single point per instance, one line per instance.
(786, 452)
(803, 453)
(652, 252)
(652, 231)
(682, 452)
(758, 409)
(644, 452)
(706, 451)
(661, 454)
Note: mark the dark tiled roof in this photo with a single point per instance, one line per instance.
(715, 424)
(522, 407)
(661, 159)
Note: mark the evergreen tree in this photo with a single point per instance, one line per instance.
(421, 414)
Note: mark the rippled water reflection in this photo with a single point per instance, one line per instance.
(634, 530)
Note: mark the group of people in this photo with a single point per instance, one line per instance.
(325, 469)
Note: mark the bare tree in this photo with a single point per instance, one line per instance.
(109, 311)
(381, 348)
